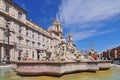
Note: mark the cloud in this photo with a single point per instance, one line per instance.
(81, 11)
(88, 33)
(87, 17)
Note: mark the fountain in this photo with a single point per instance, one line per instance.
(64, 59)
(68, 60)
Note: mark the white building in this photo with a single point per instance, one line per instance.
(21, 38)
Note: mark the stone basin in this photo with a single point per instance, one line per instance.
(58, 68)
(104, 64)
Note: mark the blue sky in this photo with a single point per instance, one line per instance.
(87, 20)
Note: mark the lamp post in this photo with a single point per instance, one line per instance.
(7, 33)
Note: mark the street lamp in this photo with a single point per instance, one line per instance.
(7, 33)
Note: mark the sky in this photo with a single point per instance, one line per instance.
(96, 21)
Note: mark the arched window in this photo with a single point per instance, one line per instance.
(57, 28)
(7, 8)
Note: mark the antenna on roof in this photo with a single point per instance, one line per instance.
(92, 44)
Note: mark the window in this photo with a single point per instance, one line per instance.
(43, 45)
(6, 33)
(6, 38)
(33, 44)
(26, 53)
(19, 16)
(19, 55)
(33, 35)
(47, 41)
(38, 36)
(19, 31)
(7, 8)
(19, 41)
(43, 39)
(20, 28)
(27, 42)
(7, 27)
(39, 44)
(26, 31)
(57, 28)
(7, 20)
(33, 54)
(51, 47)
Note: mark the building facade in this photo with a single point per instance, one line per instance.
(112, 54)
(21, 38)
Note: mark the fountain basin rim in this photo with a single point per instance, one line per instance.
(59, 67)
(62, 62)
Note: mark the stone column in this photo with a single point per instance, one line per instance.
(13, 52)
(12, 55)
(2, 52)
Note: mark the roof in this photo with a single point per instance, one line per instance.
(14, 4)
(37, 24)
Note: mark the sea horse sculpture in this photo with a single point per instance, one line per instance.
(93, 55)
